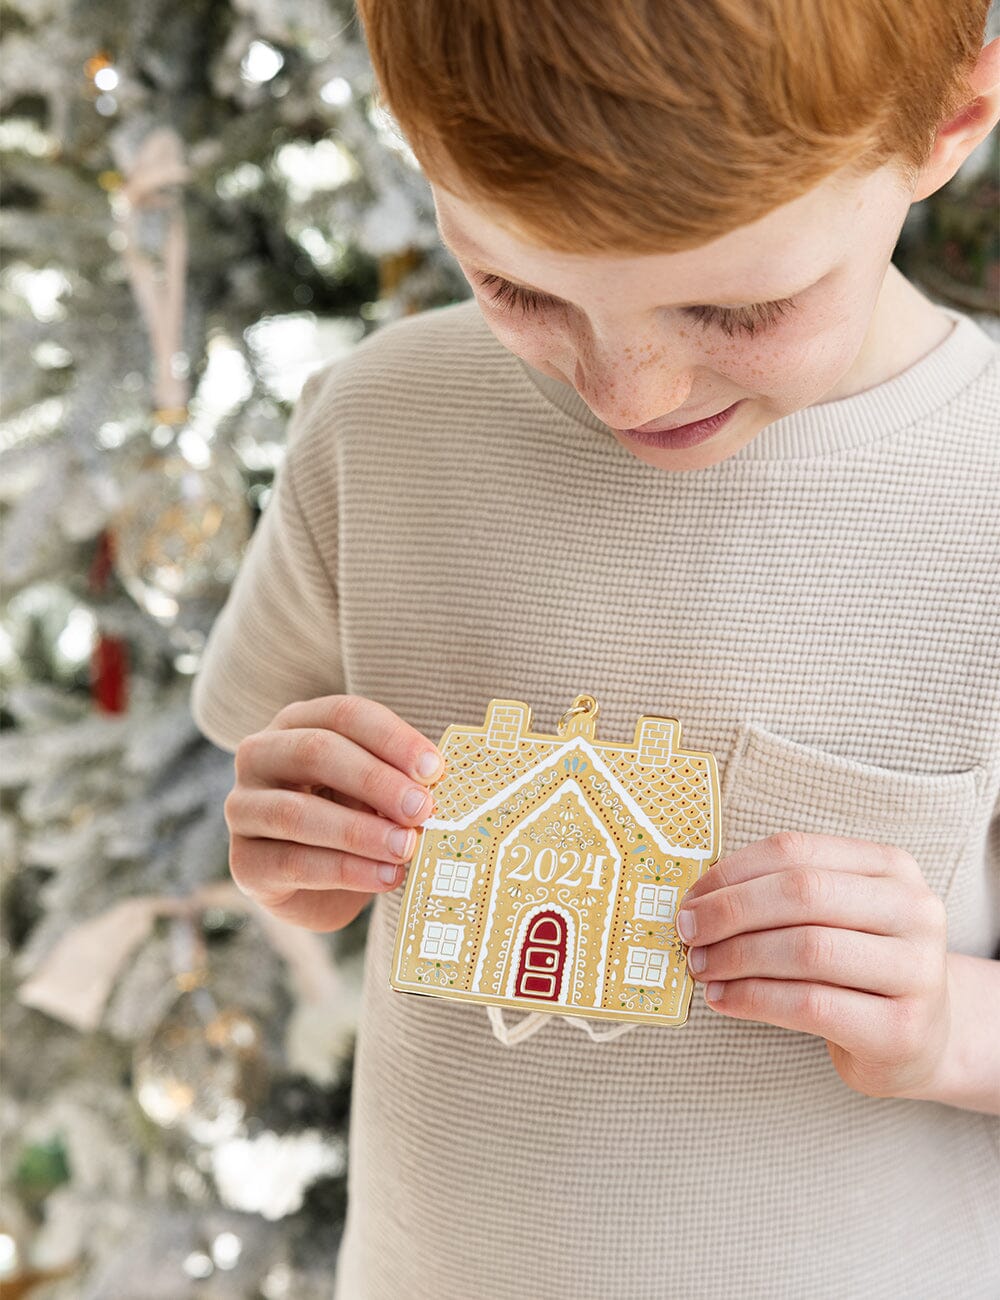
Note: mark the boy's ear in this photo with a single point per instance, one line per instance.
(957, 137)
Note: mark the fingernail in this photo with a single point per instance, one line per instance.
(428, 763)
(387, 873)
(414, 800)
(402, 841)
(696, 959)
(685, 925)
(714, 991)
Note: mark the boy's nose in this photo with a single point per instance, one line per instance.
(626, 395)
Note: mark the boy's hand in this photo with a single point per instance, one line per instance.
(832, 936)
(319, 794)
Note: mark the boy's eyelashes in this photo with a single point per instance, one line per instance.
(746, 320)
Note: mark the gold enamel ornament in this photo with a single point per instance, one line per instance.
(550, 875)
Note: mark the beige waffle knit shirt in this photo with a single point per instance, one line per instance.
(822, 611)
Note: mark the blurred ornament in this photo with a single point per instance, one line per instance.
(204, 1068)
(109, 673)
(183, 518)
(268, 1174)
(47, 635)
(109, 654)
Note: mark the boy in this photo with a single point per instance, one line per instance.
(671, 216)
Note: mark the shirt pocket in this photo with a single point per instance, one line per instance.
(773, 784)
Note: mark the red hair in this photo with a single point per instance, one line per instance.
(642, 126)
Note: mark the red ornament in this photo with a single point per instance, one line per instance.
(109, 658)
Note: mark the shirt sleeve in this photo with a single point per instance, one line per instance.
(277, 638)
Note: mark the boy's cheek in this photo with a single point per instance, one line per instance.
(798, 367)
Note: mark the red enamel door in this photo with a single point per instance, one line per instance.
(543, 954)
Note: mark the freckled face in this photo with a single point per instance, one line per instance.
(777, 314)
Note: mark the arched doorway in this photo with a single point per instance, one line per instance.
(542, 957)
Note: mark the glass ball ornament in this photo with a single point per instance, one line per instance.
(181, 520)
(202, 1069)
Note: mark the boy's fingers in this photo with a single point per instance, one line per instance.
(853, 1020)
(795, 849)
(876, 905)
(873, 963)
(308, 820)
(269, 871)
(319, 758)
(373, 726)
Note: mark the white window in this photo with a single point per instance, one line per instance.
(452, 878)
(441, 940)
(645, 966)
(656, 902)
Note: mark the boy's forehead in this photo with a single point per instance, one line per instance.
(783, 250)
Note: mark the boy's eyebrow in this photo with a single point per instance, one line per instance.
(471, 248)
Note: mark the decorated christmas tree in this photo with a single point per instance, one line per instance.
(202, 203)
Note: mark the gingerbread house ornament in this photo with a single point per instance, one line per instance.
(549, 877)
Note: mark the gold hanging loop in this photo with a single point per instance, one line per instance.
(582, 704)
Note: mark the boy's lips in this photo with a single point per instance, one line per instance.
(664, 426)
(661, 434)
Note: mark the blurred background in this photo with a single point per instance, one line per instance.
(201, 203)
